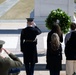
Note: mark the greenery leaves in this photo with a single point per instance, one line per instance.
(60, 16)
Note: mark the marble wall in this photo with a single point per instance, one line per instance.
(42, 9)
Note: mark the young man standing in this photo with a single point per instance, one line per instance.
(28, 43)
(70, 50)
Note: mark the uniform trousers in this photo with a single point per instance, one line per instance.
(29, 68)
(70, 67)
(54, 72)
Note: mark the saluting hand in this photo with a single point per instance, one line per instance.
(6, 51)
(33, 23)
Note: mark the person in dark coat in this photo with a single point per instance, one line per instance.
(70, 50)
(54, 59)
(28, 43)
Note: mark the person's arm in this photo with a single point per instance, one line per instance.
(48, 40)
(66, 45)
(21, 41)
(61, 38)
(38, 30)
(60, 51)
(65, 40)
(48, 47)
(67, 37)
(14, 62)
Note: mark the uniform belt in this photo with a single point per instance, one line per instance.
(30, 40)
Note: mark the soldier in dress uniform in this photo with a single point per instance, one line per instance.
(28, 43)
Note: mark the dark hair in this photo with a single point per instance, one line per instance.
(56, 29)
(73, 26)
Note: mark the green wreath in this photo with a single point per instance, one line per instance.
(62, 17)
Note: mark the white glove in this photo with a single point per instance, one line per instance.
(34, 24)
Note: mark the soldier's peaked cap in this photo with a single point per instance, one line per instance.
(2, 42)
(30, 19)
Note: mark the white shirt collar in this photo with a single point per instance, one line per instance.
(29, 25)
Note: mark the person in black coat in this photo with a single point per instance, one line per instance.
(54, 59)
(28, 44)
(70, 50)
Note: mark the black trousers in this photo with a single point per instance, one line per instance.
(29, 68)
(54, 72)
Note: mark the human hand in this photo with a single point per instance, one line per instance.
(6, 51)
(33, 23)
